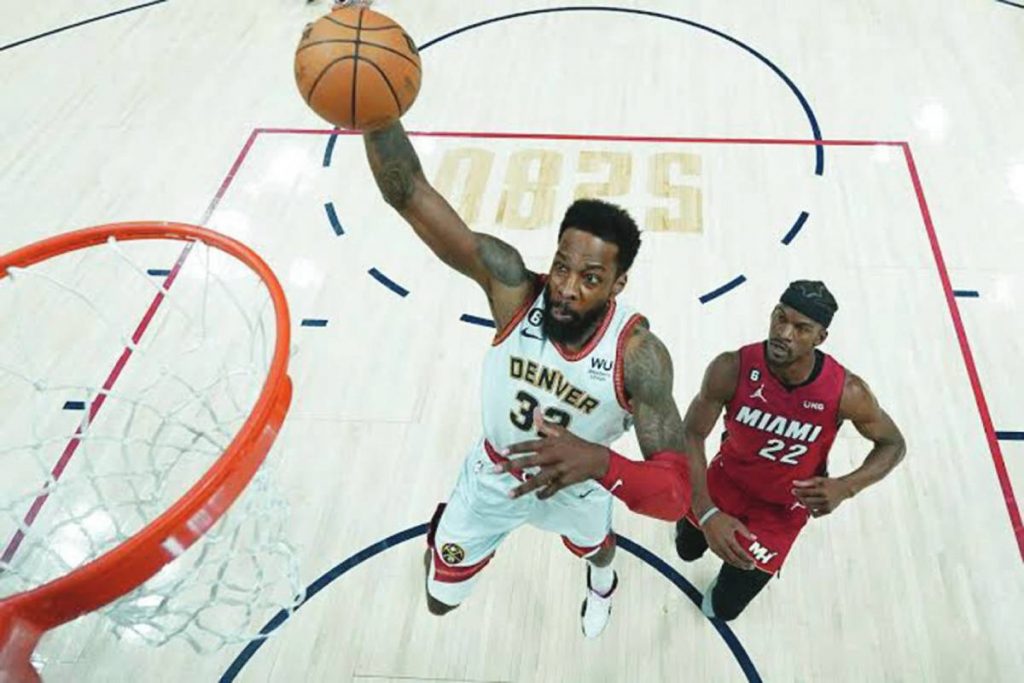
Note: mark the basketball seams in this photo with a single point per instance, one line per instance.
(324, 70)
(386, 48)
(365, 28)
(355, 69)
(387, 82)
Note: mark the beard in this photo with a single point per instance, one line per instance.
(575, 328)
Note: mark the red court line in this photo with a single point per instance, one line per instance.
(97, 403)
(606, 138)
(965, 349)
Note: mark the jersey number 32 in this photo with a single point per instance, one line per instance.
(522, 415)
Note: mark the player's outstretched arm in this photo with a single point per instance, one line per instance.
(822, 495)
(716, 390)
(495, 265)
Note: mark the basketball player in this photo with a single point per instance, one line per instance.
(784, 402)
(567, 373)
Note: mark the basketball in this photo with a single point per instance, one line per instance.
(357, 68)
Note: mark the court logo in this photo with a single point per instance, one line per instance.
(452, 553)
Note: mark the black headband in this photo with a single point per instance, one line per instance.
(812, 299)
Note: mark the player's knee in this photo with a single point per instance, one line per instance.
(688, 552)
(690, 542)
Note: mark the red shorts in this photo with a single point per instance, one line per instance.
(776, 526)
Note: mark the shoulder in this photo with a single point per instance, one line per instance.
(722, 376)
(647, 363)
(857, 402)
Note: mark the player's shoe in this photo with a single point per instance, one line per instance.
(705, 605)
(596, 608)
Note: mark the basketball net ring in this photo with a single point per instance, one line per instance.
(177, 432)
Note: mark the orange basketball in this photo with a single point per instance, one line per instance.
(357, 68)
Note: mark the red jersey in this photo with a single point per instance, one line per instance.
(777, 433)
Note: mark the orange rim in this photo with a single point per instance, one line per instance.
(25, 616)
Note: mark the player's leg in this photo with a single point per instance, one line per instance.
(601, 584)
(732, 590)
(466, 531)
(690, 541)
(776, 529)
(582, 515)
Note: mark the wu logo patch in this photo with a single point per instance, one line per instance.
(452, 553)
(601, 364)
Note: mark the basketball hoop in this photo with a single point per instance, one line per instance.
(205, 437)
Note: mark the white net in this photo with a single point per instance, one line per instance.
(119, 399)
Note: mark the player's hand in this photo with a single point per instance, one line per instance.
(821, 495)
(563, 458)
(720, 531)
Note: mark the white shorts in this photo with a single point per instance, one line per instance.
(465, 532)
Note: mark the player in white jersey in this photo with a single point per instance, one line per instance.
(570, 364)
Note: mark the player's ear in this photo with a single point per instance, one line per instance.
(822, 336)
(620, 283)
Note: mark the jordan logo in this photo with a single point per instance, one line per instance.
(759, 394)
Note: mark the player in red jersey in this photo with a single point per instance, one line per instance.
(785, 401)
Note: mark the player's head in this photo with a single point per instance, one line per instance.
(800, 321)
(597, 243)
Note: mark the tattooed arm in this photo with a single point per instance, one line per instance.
(658, 487)
(648, 381)
(496, 266)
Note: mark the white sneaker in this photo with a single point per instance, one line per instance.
(705, 605)
(596, 608)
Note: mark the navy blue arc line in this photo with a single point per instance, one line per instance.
(819, 150)
(388, 282)
(90, 20)
(332, 216)
(641, 553)
(727, 287)
(474, 320)
(1010, 436)
(966, 293)
(325, 580)
(314, 322)
(695, 596)
(329, 150)
(74, 405)
(801, 219)
(160, 272)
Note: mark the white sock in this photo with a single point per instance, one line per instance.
(601, 578)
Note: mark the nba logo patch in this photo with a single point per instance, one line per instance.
(452, 553)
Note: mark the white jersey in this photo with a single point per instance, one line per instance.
(583, 391)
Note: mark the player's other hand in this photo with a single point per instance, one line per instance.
(563, 458)
(821, 495)
(723, 533)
